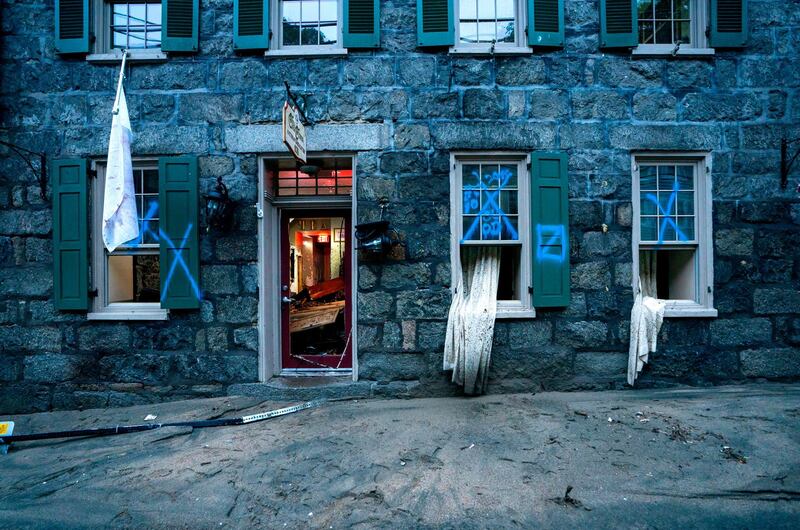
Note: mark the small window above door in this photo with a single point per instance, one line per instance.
(333, 177)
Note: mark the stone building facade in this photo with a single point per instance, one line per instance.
(401, 111)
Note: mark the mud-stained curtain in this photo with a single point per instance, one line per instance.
(470, 324)
(647, 316)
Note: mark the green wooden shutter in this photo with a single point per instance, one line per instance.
(179, 23)
(70, 234)
(435, 23)
(619, 24)
(550, 220)
(251, 24)
(362, 26)
(546, 22)
(72, 26)
(728, 23)
(179, 262)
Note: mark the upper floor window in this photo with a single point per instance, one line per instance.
(492, 22)
(669, 26)
(135, 25)
(307, 26)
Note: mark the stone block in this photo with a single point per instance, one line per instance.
(654, 106)
(734, 242)
(237, 248)
(471, 72)
(246, 338)
(392, 366)
(412, 136)
(426, 105)
(527, 334)
(26, 222)
(582, 334)
(423, 304)
(599, 104)
(367, 72)
(771, 362)
(484, 103)
(624, 72)
(403, 162)
(375, 306)
(741, 331)
(416, 72)
(219, 279)
(669, 137)
(776, 301)
(431, 336)
(521, 71)
(392, 336)
(172, 75)
(173, 338)
(102, 338)
(720, 107)
(52, 367)
(404, 276)
(590, 276)
(548, 104)
(496, 135)
(237, 309)
(601, 364)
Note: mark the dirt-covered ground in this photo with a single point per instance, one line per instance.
(725, 457)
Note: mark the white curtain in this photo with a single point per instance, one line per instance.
(120, 221)
(647, 316)
(470, 324)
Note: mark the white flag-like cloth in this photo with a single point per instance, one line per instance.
(120, 221)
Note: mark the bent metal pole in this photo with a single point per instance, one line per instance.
(124, 429)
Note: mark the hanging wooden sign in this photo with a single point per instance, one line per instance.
(294, 132)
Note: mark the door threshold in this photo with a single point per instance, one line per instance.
(316, 372)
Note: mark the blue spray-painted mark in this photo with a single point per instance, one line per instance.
(668, 218)
(178, 260)
(163, 238)
(551, 243)
(490, 219)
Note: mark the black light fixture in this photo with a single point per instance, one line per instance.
(377, 238)
(219, 208)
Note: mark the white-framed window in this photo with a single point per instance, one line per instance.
(672, 27)
(493, 26)
(490, 206)
(306, 27)
(128, 280)
(672, 231)
(133, 26)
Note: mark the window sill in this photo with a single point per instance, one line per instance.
(504, 314)
(314, 52)
(136, 56)
(657, 50)
(677, 309)
(130, 314)
(487, 50)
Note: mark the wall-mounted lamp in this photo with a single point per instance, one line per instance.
(786, 161)
(219, 208)
(377, 238)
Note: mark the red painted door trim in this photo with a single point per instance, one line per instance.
(287, 361)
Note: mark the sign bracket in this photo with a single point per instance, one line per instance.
(300, 109)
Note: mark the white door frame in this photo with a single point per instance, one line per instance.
(269, 272)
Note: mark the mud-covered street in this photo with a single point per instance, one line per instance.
(714, 457)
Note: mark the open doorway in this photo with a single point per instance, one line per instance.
(315, 284)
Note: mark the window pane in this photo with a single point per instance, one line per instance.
(681, 8)
(490, 227)
(663, 9)
(291, 23)
(648, 178)
(468, 32)
(471, 228)
(309, 11)
(508, 202)
(648, 201)
(685, 177)
(472, 202)
(486, 31)
(666, 177)
(683, 32)
(508, 284)
(327, 34)
(663, 32)
(646, 32)
(685, 203)
(151, 181)
(149, 232)
(505, 31)
(649, 229)
(509, 228)
(470, 174)
(668, 229)
(485, 9)
(154, 13)
(505, 9)
(490, 175)
(137, 14)
(468, 10)
(645, 9)
(686, 226)
(509, 176)
(328, 11)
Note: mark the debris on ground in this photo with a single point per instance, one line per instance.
(729, 454)
(567, 500)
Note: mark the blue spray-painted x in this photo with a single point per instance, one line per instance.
(491, 218)
(668, 218)
(178, 260)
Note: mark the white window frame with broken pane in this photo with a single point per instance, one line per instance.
(464, 190)
(672, 217)
(478, 27)
(662, 23)
(104, 273)
(319, 9)
(142, 38)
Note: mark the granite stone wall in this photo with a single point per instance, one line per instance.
(598, 106)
